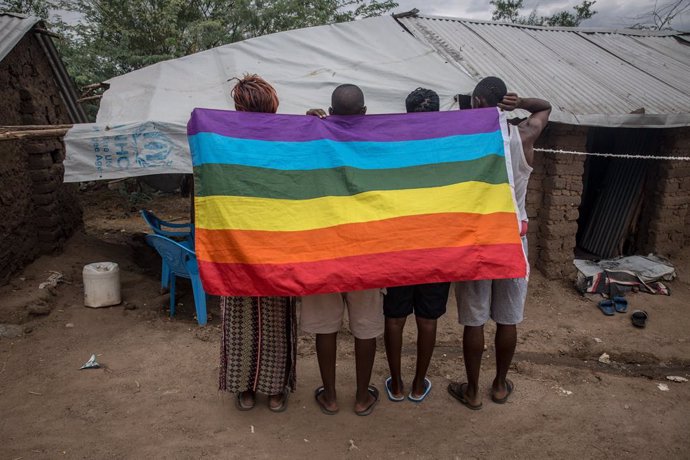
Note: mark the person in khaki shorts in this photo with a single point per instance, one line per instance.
(322, 314)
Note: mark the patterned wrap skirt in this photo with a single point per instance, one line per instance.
(258, 344)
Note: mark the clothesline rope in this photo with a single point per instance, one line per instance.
(614, 155)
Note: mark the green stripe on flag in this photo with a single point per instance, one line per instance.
(237, 180)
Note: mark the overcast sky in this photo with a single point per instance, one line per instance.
(610, 13)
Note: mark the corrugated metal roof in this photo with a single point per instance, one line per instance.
(591, 76)
(13, 27)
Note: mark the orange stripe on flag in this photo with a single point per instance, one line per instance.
(356, 239)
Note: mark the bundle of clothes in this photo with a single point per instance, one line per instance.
(615, 277)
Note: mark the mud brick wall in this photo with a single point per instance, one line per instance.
(553, 198)
(38, 211)
(665, 219)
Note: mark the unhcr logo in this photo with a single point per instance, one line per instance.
(152, 148)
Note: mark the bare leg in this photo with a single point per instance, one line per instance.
(506, 340)
(392, 337)
(365, 352)
(472, 350)
(326, 348)
(426, 340)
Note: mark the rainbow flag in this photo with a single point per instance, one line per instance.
(296, 205)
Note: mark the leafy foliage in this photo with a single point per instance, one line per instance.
(38, 8)
(113, 37)
(509, 10)
(506, 10)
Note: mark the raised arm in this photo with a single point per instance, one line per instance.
(532, 127)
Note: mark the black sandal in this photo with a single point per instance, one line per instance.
(240, 405)
(457, 391)
(375, 393)
(510, 386)
(639, 318)
(323, 408)
(283, 405)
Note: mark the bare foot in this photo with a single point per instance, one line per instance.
(277, 401)
(245, 400)
(461, 392)
(364, 407)
(331, 405)
(472, 395)
(397, 389)
(418, 388)
(248, 399)
(500, 391)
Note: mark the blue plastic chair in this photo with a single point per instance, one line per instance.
(183, 232)
(181, 261)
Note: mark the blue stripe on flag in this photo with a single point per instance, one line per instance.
(210, 148)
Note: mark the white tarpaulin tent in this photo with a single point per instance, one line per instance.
(141, 125)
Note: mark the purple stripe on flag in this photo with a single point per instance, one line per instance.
(372, 128)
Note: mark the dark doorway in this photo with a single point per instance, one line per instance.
(613, 191)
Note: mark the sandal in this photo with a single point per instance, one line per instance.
(427, 389)
(323, 408)
(375, 393)
(457, 390)
(391, 397)
(607, 307)
(240, 405)
(283, 404)
(510, 386)
(620, 304)
(639, 318)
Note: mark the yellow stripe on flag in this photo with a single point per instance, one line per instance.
(250, 213)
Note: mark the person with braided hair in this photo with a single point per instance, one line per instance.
(254, 94)
(258, 339)
(422, 100)
(428, 301)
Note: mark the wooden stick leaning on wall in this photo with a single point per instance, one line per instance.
(29, 132)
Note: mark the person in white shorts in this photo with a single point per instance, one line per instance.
(501, 300)
(322, 314)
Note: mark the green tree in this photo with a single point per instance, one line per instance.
(113, 37)
(506, 10)
(509, 10)
(118, 36)
(38, 8)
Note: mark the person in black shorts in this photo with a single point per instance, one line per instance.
(427, 301)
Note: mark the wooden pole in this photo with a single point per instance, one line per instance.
(90, 98)
(46, 32)
(25, 127)
(30, 134)
(95, 85)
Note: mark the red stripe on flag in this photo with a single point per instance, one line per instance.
(365, 271)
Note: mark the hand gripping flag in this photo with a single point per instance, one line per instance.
(297, 205)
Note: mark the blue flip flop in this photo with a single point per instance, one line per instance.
(427, 385)
(387, 384)
(607, 307)
(620, 304)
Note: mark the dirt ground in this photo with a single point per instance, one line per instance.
(156, 395)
